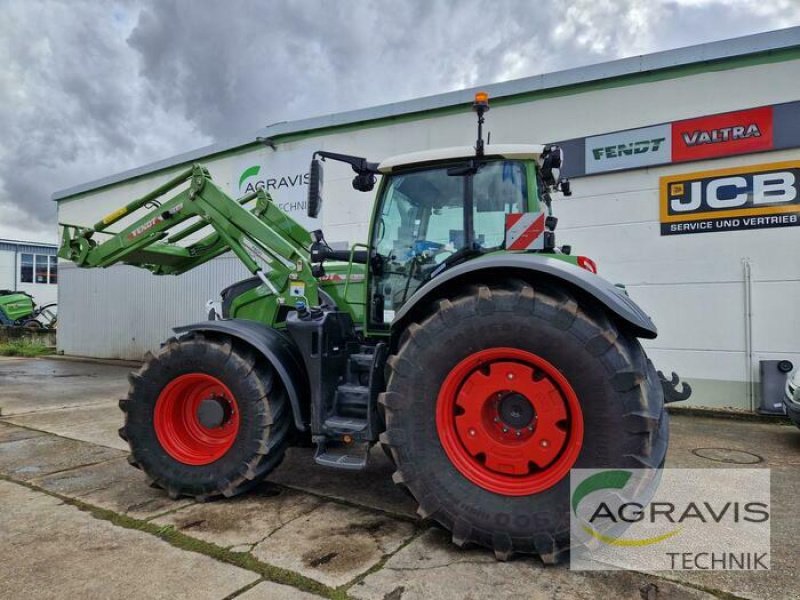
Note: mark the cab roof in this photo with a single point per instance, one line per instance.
(512, 151)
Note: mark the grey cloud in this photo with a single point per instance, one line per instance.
(72, 107)
(91, 88)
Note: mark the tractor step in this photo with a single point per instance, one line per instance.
(362, 361)
(352, 400)
(345, 425)
(352, 457)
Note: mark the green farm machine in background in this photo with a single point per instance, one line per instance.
(486, 360)
(17, 309)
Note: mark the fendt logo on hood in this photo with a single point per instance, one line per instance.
(731, 133)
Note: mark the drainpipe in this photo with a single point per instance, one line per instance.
(16, 266)
(748, 332)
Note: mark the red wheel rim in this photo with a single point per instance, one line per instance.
(509, 421)
(178, 427)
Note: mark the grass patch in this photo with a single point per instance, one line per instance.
(29, 349)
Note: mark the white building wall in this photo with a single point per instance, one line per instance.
(7, 274)
(692, 285)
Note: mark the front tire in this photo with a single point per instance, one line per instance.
(494, 397)
(205, 417)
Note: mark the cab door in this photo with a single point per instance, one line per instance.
(419, 222)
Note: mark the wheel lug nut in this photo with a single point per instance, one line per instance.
(510, 376)
(505, 429)
(544, 443)
(497, 419)
(519, 433)
(472, 432)
(530, 427)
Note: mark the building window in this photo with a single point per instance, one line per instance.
(41, 268)
(38, 268)
(53, 269)
(26, 268)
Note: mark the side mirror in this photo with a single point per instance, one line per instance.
(552, 161)
(551, 165)
(315, 178)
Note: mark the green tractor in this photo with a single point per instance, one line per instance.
(17, 309)
(486, 360)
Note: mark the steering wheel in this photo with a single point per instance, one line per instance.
(434, 253)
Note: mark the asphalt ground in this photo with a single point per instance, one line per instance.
(78, 521)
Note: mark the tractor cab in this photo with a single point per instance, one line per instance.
(435, 209)
(438, 208)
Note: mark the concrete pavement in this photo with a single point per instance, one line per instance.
(38, 531)
(77, 521)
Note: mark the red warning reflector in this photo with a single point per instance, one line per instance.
(525, 231)
(584, 262)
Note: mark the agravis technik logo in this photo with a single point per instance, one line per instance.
(670, 519)
(628, 512)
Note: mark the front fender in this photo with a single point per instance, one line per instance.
(522, 264)
(280, 352)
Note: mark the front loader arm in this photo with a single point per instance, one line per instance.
(271, 244)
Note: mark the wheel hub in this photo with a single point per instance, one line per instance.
(213, 412)
(516, 411)
(509, 421)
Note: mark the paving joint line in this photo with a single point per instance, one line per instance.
(246, 588)
(44, 411)
(282, 525)
(77, 467)
(381, 564)
(350, 503)
(170, 511)
(58, 435)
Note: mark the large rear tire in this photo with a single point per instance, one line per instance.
(205, 417)
(495, 396)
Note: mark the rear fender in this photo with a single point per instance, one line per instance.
(531, 267)
(276, 348)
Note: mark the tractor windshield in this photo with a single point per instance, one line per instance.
(420, 222)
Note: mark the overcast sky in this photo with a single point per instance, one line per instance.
(91, 87)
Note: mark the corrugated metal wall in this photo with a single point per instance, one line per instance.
(122, 311)
(28, 248)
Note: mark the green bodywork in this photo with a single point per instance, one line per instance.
(269, 243)
(15, 306)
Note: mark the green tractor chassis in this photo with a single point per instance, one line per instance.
(485, 360)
